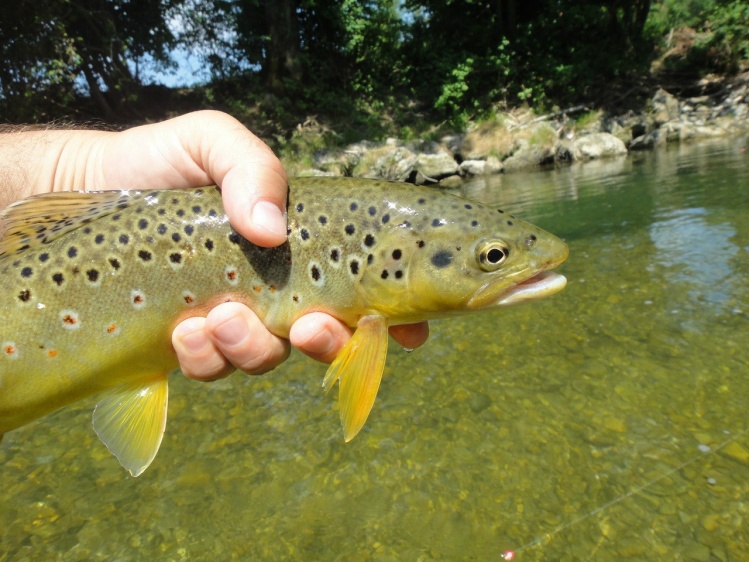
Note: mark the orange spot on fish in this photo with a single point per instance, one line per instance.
(69, 319)
(10, 350)
(111, 328)
(232, 275)
(256, 288)
(188, 299)
(137, 299)
(272, 288)
(52, 353)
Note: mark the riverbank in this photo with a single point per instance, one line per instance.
(519, 139)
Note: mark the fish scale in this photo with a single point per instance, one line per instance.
(94, 284)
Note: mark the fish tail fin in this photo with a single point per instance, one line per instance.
(131, 419)
(359, 368)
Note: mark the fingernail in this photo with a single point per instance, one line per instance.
(232, 331)
(267, 216)
(194, 341)
(323, 343)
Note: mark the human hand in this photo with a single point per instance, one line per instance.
(210, 147)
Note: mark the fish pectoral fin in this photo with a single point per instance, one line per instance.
(130, 420)
(359, 368)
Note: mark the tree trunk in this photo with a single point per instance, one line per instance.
(282, 58)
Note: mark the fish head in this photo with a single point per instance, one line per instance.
(465, 258)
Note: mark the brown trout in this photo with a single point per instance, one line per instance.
(94, 283)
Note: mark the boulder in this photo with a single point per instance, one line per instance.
(491, 165)
(436, 166)
(529, 156)
(665, 107)
(393, 163)
(599, 145)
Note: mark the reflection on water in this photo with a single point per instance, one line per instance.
(697, 253)
(605, 423)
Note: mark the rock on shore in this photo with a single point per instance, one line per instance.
(518, 141)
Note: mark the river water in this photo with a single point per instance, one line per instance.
(607, 422)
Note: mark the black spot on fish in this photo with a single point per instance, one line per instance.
(116, 217)
(443, 258)
(370, 259)
(315, 272)
(76, 270)
(353, 206)
(354, 265)
(124, 239)
(162, 212)
(180, 212)
(145, 255)
(369, 240)
(72, 252)
(209, 245)
(296, 298)
(26, 272)
(43, 257)
(58, 278)
(175, 200)
(115, 263)
(161, 229)
(350, 229)
(438, 222)
(385, 218)
(323, 219)
(334, 254)
(398, 274)
(24, 295)
(234, 238)
(99, 238)
(92, 275)
(142, 224)
(175, 258)
(300, 207)
(372, 211)
(421, 201)
(467, 206)
(500, 211)
(196, 209)
(304, 233)
(420, 243)
(189, 229)
(87, 230)
(397, 254)
(509, 223)
(176, 237)
(384, 274)
(212, 213)
(474, 224)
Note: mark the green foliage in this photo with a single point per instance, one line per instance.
(372, 68)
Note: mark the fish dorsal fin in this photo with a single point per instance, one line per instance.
(39, 219)
(130, 420)
(359, 368)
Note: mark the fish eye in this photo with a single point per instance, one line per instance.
(491, 255)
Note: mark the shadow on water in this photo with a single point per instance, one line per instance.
(604, 423)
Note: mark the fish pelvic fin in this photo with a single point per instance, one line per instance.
(130, 420)
(359, 368)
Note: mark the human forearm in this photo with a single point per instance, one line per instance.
(41, 161)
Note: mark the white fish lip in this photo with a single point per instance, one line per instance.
(540, 285)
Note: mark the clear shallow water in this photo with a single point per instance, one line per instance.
(584, 427)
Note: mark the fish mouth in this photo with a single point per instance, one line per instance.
(540, 285)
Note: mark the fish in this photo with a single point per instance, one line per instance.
(93, 283)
